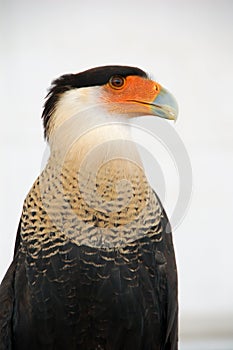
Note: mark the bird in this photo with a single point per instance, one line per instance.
(94, 266)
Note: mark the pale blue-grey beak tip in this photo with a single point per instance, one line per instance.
(165, 105)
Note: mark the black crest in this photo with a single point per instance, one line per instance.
(92, 77)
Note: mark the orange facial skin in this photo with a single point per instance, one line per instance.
(134, 97)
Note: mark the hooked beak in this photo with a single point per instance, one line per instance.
(164, 105)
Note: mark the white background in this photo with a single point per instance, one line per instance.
(188, 47)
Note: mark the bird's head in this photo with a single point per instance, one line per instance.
(117, 91)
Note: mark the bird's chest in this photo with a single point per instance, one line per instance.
(91, 212)
(77, 258)
(88, 270)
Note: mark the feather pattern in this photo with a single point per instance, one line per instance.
(94, 267)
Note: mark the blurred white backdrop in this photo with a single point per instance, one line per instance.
(188, 47)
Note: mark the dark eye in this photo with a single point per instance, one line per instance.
(117, 82)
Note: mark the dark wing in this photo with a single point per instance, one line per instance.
(6, 308)
(172, 292)
(7, 300)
